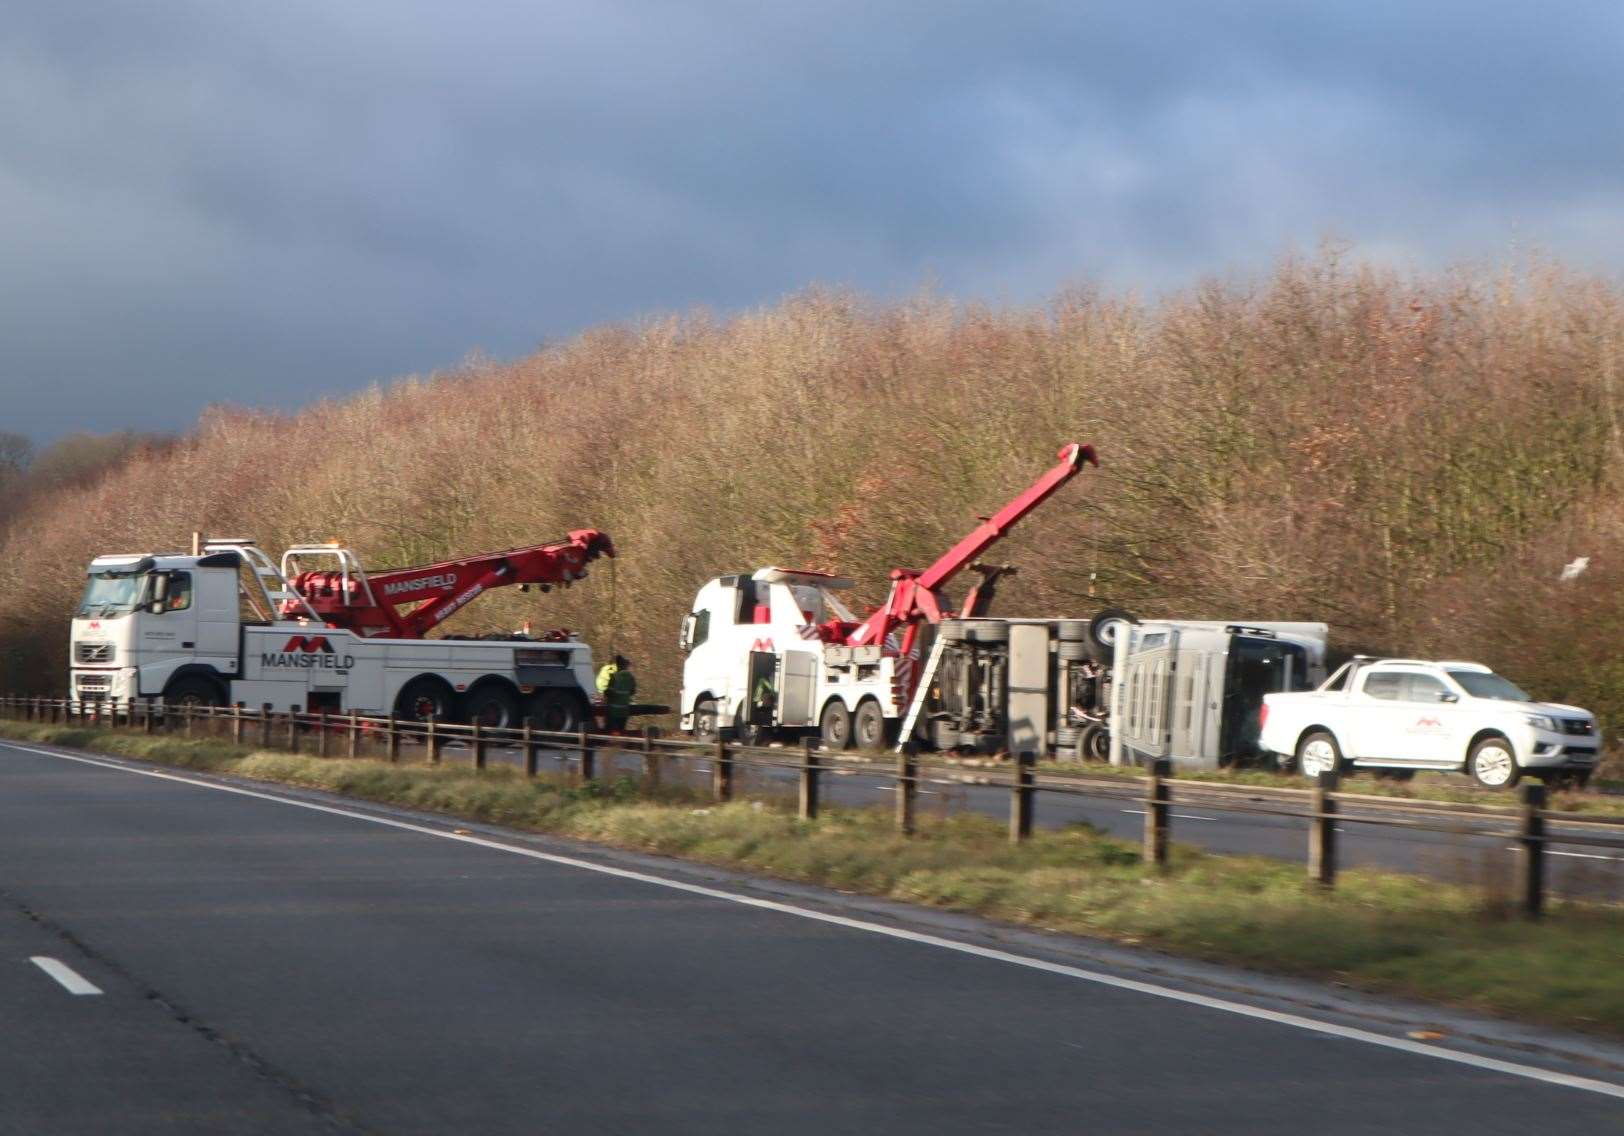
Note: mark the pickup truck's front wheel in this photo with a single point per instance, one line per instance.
(1493, 764)
(1318, 753)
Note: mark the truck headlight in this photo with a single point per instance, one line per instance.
(1542, 722)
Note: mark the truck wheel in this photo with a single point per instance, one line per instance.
(951, 630)
(1094, 742)
(1071, 630)
(870, 725)
(555, 711)
(705, 728)
(193, 690)
(1318, 753)
(835, 726)
(1493, 764)
(987, 631)
(1104, 628)
(424, 696)
(1071, 651)
(493, 706)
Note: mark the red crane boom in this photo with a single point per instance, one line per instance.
(915, 595)
(371, 604)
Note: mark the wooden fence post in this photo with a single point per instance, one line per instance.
(589, 758)
(186, 718)
(293, 729)
(1322, 830)
(479, 745)
(1020, 798)
(321, 726)
(1158, 811)
(528, 741)
(651, 762)
(265, 725)
(809, 779)
(354, 749)
(392, 742)
(1531, 864)
(432, 740)
(236, 723)
(722, 772)
(907, 787)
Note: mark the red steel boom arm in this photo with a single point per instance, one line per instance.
(443, 589)
(916, 595)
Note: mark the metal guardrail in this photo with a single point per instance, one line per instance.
(1324, 805)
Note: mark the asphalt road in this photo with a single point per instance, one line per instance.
(268, 965)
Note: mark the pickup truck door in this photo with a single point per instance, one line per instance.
(1435, 720)
(1377, 716)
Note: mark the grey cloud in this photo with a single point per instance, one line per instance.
(264, 204)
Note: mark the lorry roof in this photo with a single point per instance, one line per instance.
(798, 576)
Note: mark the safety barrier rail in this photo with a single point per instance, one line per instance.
(1324, 805)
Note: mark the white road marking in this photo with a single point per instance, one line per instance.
(1574, 855)
(69, 978)
(1181, 816)
(1171, 994)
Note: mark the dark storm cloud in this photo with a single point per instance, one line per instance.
(266, 203)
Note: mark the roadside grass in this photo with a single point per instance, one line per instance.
(1377, 931)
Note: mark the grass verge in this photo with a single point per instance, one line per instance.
(1377, 931)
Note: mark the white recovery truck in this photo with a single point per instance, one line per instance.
(1396, 716)
(226, 625)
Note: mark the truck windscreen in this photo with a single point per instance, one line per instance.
(110, 594)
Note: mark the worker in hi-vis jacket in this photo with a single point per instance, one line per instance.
(617, 684)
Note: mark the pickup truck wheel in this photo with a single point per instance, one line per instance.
(1493, 764)
(1318, 753)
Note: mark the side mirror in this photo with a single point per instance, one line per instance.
(160, 592)
(687, 635)
(1448, 696)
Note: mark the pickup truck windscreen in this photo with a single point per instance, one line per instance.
(1483, 684)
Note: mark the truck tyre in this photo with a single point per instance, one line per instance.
(423, 696)
(705, 724)
(555, 711)
(951, 630)
(987, 631)
(494, 706)
(1493, 764)
(835, 725)
(1070, 651)
(1318, 753)
(1071, 630)
(1106, 625)
(869, 725)
(1094, 742)
(194, 690)
(1066, 736)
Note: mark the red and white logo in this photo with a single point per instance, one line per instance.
(309, 643)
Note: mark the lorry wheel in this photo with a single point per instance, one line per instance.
(1071, 630)
(987, 631)
(555, 711)
(870, 725)
(951, 630)
(193, 690)
(494, 707)
(835, 726)
(1094, 742)
(424, 696)
(1493, 764)
(705, 728)
(1318, 753)
(1104, 628)
(1070, 651)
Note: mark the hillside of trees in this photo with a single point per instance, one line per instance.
(1412, 459)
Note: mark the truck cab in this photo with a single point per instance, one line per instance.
(756, 660)
(147, 625)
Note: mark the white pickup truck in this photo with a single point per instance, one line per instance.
(1401, 715)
